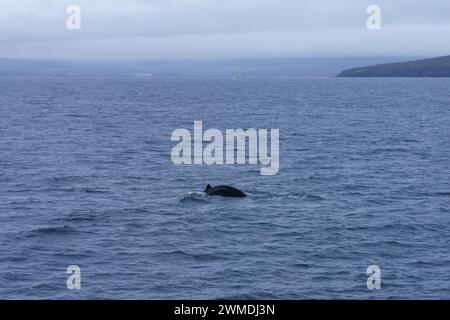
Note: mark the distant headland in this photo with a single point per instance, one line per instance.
(435, 67)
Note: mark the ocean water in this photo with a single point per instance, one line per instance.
(86, 179)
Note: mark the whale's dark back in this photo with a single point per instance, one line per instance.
(225, 191)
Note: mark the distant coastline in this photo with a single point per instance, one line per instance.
(433, 68)
(263, 67)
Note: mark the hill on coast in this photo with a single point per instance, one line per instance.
(435, 67)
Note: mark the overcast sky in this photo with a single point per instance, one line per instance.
(155, 29)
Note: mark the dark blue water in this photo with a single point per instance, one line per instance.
(86, 178)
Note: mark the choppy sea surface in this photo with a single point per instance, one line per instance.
(86, 179)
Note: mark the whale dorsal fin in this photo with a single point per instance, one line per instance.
(208, 186)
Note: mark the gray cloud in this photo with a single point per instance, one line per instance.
(128, 29)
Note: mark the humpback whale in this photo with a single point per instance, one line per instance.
(224, 191)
